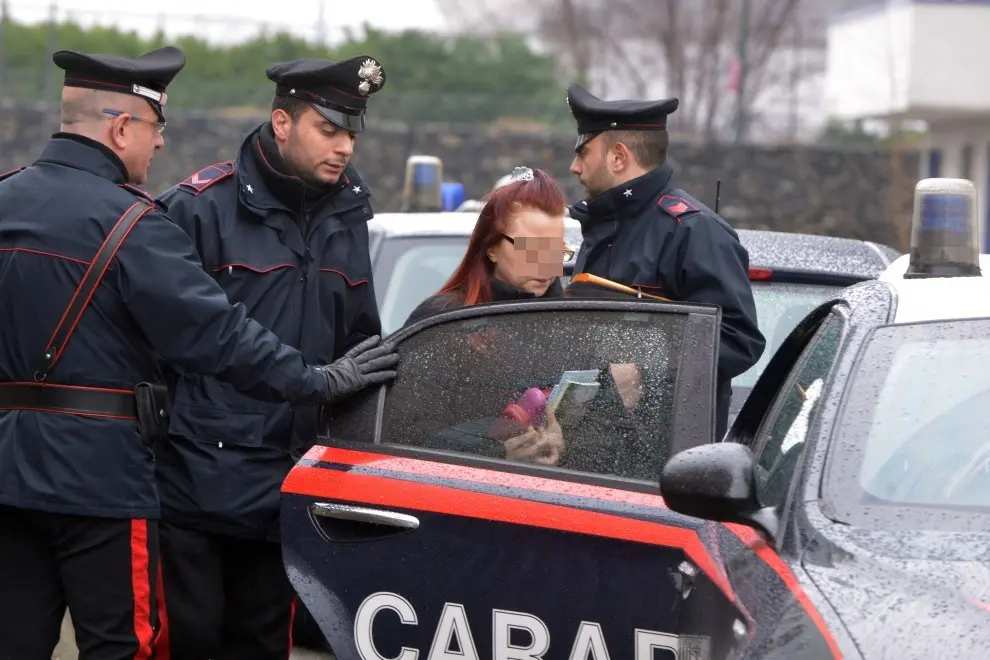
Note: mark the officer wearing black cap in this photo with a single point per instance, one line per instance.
(283, 229)
(96, 286)
(641, 231)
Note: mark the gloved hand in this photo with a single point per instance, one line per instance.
(368, 363)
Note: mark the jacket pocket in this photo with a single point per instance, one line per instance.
(202, 414)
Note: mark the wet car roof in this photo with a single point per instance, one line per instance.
(420, 224)
(939, 298)
(767, 249)
(809, 252)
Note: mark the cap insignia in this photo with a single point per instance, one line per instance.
(370, 74)
(158, 97)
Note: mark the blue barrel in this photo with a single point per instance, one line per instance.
(452, 194)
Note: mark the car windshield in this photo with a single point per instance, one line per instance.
(410, 271)
(915, 422)
(779, 308)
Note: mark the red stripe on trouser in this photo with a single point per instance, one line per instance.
(161, 643)
(140, 583)
(292, 620)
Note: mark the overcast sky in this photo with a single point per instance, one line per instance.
(235, 20)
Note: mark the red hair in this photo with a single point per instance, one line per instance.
(471, 279)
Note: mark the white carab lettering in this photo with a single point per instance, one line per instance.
(453, 624)
(504, 622)
(364, 620)
(589, 643)
(648, 641)
(515, 635)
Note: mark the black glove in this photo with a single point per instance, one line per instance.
(368, 363)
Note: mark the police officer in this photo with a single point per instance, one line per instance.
(96, 285)
(283, 229)
(643, 232)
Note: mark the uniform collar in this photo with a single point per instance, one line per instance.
(255, 186)
(83, 153)
(279, 179)
(627, 199)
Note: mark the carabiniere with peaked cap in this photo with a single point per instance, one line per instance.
(337, 90)
(146, 76)
(594, 116)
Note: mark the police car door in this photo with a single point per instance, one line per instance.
(427, 524)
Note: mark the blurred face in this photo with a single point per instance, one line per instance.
(591, 167)
(530, 254)
(316, 150)
(135, 132)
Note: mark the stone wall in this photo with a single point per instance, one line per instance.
(860, 194)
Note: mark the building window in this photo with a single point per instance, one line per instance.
(934, 163)
(966, 162)
(986, 204)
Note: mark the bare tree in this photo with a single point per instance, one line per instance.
(488, 16)
(681, 48)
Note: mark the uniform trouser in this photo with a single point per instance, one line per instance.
(225, 598)
(104, 570)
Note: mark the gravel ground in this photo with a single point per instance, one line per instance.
(66, 649)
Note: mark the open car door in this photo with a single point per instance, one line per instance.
(414, 529)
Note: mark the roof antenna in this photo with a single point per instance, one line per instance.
(718, 193)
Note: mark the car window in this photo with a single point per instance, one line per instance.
(476, 385)
(924, 423)
(783, 433)
(410, 270)
(779, 308)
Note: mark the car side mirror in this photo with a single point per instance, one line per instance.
(717, 482)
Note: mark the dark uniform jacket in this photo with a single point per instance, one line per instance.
(155, 301)
(298, 259)
(651, 235)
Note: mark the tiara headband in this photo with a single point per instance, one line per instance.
(521, 174)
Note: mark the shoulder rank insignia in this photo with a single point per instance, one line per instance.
(137, 191)
(208, 176)
(7, 175)
(676, 206)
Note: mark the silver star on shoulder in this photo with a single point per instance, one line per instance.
(583, 202)
(250, 189)
(356, 190)
(628, 192)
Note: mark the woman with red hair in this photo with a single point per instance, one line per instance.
(516, 250)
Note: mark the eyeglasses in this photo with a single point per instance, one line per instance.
(159, 125)
(567, 252)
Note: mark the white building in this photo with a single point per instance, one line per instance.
(926, 60)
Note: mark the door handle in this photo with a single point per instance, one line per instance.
(364, 515)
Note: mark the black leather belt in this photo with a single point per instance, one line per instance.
(68, 399)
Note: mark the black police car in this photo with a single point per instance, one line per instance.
(845, 515)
